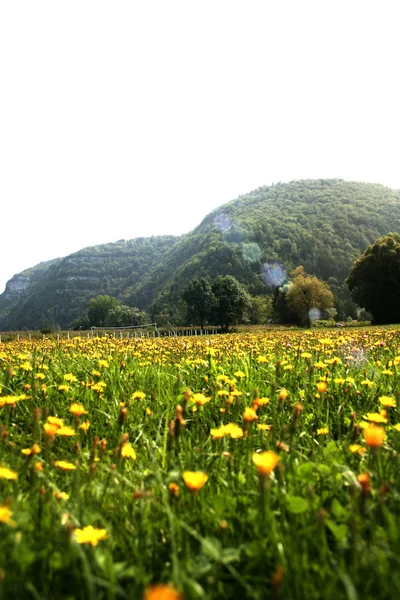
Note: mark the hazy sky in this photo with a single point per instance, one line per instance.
(135, 118)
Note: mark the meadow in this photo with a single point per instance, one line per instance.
(250, 465)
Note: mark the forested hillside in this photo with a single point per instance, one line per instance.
(323, 225)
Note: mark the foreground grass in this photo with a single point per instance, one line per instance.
(129, 463)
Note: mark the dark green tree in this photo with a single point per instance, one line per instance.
(374, 280)
(124, 316)
(261, 310)
(98, 309)
(232, 302)
(200, 300)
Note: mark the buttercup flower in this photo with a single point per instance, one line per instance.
(265, 462)
(194, 480)
(162, 592)
(6, 473)
(90, 535)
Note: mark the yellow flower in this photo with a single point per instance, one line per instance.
(374, 436)
(236, 393)
(5, 516)
(6, 473)
(25, 366)
(249, 415)
(70, 377)
(240, 374)
(265, 462)
(283, 394)
(396, 427)
(64, 465)
(61, 495)
(367, 382)
(162, 592)
(321, 386)
(66, 431)
(200, 399)
(127, 451)
(261, 401)
(90, 535)
(63, 387)
(55, 421)
(387, 401)
(173, 489)
(103, 363)
(323, 431)
(357, 449)
(77, 409)
(365, 482)
(50, 430)
(320, 365)
(218, 433)
(262, 359)
(375, 418)
(85, 426)
(233, 430)
(36, 449)
(194, 480)
(138, 395)
(264, 426)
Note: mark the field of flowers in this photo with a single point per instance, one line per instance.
(254, 465)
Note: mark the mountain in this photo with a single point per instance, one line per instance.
(321, 224)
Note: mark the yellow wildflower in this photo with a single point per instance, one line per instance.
(90, 535)
(66, 432)
(323, 431)
(265, 462)
(249, 415)
(194, 480)
(77, 409)
(5, 516)
(200, 399)
(127, 451)
(374, 436)
(162, 592)
(6, 473)
(64, 465)
(387, 401)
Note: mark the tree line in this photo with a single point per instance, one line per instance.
(373, 283)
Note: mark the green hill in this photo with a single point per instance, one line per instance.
(323, 225)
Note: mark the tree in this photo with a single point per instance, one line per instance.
(306, 293)
(98, 309)
(261, 310)
(374, 280)
(124, 316)
(232, 302)
(200, 299)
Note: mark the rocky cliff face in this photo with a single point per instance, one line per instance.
(16, 286)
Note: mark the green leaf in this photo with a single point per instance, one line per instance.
(338, 511)
(230, 555)
(339, 532)
(306, 471)
(296, 504)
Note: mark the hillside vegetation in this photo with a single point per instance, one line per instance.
(323, 225)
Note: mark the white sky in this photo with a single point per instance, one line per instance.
(132, 118)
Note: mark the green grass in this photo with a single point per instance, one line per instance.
(309, 530)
